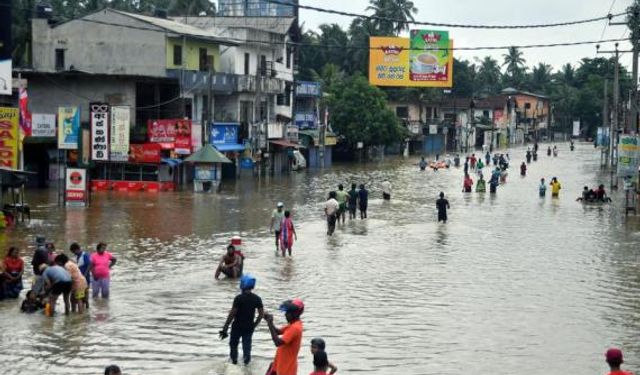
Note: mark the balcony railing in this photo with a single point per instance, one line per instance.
(265, 84)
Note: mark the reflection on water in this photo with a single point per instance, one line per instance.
(513, 283)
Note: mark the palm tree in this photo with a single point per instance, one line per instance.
(399, 13)
(515, 64)
(567, 74)
(489, 75)
(541, 77)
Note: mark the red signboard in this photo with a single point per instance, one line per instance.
(145, 153)
(174, 131)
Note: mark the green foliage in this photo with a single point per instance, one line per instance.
(402, 10)
(359, 113)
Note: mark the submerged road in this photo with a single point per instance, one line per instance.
(511, 284)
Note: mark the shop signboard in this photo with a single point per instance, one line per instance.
(43, 125)
(171, 131)
(196, 136)
(76, 187)
(224, 133)
(628, 155)
(68, 128)
(576, 128)
(423, 60)
(99, 131)
(120, 123)
(145, 153)
(9, 137)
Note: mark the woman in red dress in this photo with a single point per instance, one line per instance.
(13, 268)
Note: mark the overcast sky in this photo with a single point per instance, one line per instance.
(504, 12)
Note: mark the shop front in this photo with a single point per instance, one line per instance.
(224, 137)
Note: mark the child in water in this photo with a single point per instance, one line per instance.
(542, 190)
(318, 346)
(31, 303)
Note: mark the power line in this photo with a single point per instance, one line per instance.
(442, 24)
(608, 20)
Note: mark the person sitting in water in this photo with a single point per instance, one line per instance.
(588, 195)
(230, 265)
(481, 185)
(31, 304)
(601, 194)
(423, 164)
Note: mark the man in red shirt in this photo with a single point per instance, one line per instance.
(614, 359)
(287, 339)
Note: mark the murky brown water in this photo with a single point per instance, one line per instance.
(512, 284)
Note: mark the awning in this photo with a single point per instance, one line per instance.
(207, 154)
(285, 143)
(226, 147)
(171, 162)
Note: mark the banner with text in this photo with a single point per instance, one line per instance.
(9, 137)
(43, 125)
(628, 155)
(99, 131)
(172, 131)
(68, 128)
(120, 124)
(424, 60)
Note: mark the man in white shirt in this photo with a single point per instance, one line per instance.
(386, 190)
(331, 210)
(276, 220)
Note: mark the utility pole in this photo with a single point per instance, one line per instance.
(613, 134)
(604, 153)
(633, 24)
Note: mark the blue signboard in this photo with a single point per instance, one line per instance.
(305, 120)
(305, 88)
(224, 133)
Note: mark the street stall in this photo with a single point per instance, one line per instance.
(208, 169)
(14, 206)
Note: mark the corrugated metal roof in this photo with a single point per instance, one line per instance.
(276, 25)
(179, 27)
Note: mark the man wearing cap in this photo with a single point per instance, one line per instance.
(614, 359)
(276, 220)
(243, 312)
(287, 339)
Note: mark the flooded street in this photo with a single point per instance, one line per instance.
(511, 284)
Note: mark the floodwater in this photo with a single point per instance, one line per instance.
(512, 284)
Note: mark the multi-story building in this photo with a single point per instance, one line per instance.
(261, 102)
(256, 8)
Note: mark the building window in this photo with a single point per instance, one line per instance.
(263, 65)
(288, 52)
(177, 55)
(203, 60)
(247, 62)
(59, 59)
(285, 99)
(402, 112)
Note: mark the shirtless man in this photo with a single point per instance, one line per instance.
(230, 265)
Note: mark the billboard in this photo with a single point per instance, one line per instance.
(120, 123)
(9, 137)
(176, 132)
(68, 128)
(43, 125)
(423, 60)
(628, 155)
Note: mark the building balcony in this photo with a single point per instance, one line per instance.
(266, 85)
(199, 82)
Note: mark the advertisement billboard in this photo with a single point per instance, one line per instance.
(172, 131)
(628, 155)
(9, 137)
(423, 60)
(76, 187)
(68, 128)
(120, 123)
(99, 131)
(145, 153)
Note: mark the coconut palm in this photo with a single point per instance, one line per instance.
(398, 12)
(515, 64)
(489, 75)
(541, 77)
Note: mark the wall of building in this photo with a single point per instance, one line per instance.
(98, 48)
(47, 94)
(191, 53)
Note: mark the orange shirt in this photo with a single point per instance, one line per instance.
(286, 361)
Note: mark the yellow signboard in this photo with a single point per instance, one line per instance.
(9, 137)
(425, 60)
